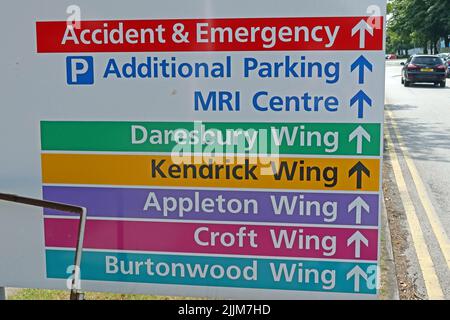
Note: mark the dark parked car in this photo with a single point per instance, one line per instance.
(426, 69)
(391, 56)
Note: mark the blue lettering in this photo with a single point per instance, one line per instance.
(217, 101)
(331, 104)
(263, 101)
(332, 72)
(129, 69)
(250, 64)
(112, 68)
(256, 105)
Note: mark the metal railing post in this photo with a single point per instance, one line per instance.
(3, 293)
(75, 293)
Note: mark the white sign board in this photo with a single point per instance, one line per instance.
(222, 148)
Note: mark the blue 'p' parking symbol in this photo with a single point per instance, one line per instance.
(80, 70)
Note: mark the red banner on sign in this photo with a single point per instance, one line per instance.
(244, 34)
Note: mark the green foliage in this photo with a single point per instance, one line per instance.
(38, 294)
(417, 23)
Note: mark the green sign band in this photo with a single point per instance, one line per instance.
(215, 137)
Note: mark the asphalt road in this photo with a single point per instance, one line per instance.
(418, 123)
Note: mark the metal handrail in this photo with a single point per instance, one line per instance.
(75, 293)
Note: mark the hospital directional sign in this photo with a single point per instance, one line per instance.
(234, 152)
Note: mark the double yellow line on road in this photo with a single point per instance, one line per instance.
(432, 284)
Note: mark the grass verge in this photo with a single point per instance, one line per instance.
(39, 294)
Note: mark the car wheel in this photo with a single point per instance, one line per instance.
(407, 83)
(403, 81)
(443, 84)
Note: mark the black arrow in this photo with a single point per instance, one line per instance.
(359, 169)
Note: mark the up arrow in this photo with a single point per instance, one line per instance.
(359, 169)
(361, 63)
(357, 238)
(360, 98)
(357, 273)
(362, 27)
(358, 204)
(359, 134)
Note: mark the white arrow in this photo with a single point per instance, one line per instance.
(359, 134)
(357, 272)
(358, 204)
(362, 27)
(357, 238)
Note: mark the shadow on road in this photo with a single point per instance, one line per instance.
(432, 136)
(396, 107)
(427, 86)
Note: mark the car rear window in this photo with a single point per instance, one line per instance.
(427, 60)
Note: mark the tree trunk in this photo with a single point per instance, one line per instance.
(425, 47)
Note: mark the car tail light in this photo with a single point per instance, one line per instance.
(441, 67)
(412, 67)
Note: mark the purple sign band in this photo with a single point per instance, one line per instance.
(218, 205)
